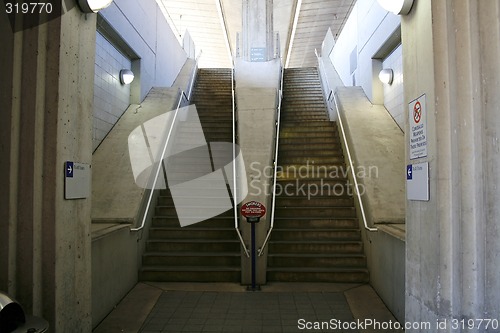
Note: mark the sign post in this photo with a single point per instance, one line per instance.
(253, 211)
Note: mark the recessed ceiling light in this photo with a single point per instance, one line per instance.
(398, 7)
(93, 6)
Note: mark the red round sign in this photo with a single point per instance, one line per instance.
(417, 112)
(253, 209)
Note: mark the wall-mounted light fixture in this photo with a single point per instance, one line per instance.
(386, 76)
(93, 6)
(398, 7)
(126, 76)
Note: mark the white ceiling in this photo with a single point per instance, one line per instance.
(203, 21)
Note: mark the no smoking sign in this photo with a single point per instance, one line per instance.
(417, 112)
(417, 140)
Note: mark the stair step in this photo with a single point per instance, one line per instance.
(190, 274)
(192, 259)
(327, 201)
(338, 247)
(316, 260)
(194, 211)
(200, 245)
(308, 140)
(315, 212)
(310, 153)
(314, 160)
(173, 221)
(297, 223)
(199, 233)
(326, 275)
(306, 135)
(316, 235)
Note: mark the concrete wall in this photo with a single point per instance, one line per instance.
(361, 46)
(394, 93)
(377, 143)
(377, 150)
(46, 93)
(143, 27)
(118, 202)
(453, 239)
(111, 98)
(114, 267)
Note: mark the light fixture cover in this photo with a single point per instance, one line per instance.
(93, 6)
(398, 7)
(126, 76)
(386, 76)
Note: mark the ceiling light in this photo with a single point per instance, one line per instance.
(386, 76)
(93, 6)
(398, 7)
(126, 76)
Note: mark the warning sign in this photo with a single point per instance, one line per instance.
(418, 128)
(253, 211)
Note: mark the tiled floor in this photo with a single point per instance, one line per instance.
(277, 308)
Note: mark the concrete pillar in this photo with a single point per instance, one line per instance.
(46, 93)
(256, 91)
(451, 53)
(257, 34)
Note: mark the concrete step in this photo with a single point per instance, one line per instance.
(187, 245)
(192, 259)
(316, 160)
(207, 199)
(320, 146)
(316, 260)
(316, 247)
(166, 233)
(308, 140)
(317, 201)
(298, 223)
(353, 275)
(310, 152)
(208, 251)
(292, 183)
(173, 221)
(321, 123)
(195, 211)
(316, 234)
(315, 212)
(190, 274)
(286, 134)
(305, 117)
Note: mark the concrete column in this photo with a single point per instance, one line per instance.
(46, 95)
(451, 54)
(258, 35)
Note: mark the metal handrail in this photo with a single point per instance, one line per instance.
(273, 204)
(182, 95)
(351, 163)
(159, 166)
(235, 190)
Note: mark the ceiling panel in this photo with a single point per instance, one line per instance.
(201, 18)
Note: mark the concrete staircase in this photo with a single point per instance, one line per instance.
(316, 236)
(208, 251)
